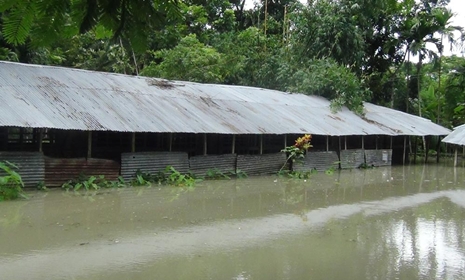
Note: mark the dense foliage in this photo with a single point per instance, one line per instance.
(11, 183)
(390, 52)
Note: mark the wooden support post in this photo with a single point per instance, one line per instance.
(21, 138)
(204, 144)
(89, 144)
(390, 144)
(415, 149)
(133, 142)
(261, 144)
(363, 142)
(345, 142)
(285, 141)
(41, 138)
(405, 149)
(427, 140)
(170, 144)
(327, 143)
(456, 156)
(438, 149)
(376, 142)
(233, 148)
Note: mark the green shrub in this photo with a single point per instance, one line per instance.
(11, 184)
(169, 176)
(215, 174)
(92, 183)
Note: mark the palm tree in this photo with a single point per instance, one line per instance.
(442, 17)
(420, 34)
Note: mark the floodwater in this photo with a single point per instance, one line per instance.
(383, 223)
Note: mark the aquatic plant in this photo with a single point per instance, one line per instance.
(41, 186)
(215, 174)
(169, 176)
(92, 183)
(241, 174)
(296, 152)
(175, 178)
(11, 184)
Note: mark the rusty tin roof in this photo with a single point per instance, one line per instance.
(65, 98)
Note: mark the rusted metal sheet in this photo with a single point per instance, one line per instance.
(61, 170)
(378, 157)
(199, 165)
(31, 166)
(352, 158)
(320, 161)
(261, 164)
(64, 98)
(456, 137)
(152, 162)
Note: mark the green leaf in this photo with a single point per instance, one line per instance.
(18, 22)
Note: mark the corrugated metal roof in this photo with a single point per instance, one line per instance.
(65, 98)
(402, 123)
(457, 136)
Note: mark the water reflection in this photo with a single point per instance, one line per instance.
(385, 223)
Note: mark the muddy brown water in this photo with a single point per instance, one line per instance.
(384, 223)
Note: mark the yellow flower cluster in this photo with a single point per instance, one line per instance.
(303, 142)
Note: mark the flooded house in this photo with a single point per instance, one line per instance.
(57, 123)
(457, 139)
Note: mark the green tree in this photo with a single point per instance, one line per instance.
(327, 78)
(48, 20)
(190, 60)
(454, 94)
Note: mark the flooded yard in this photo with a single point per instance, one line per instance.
(384, 223)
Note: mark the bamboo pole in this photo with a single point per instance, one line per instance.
(327, 143)
(415, 149)
(204, 144)
(345, 142)
(261, 144)
(41, 138)
(133, 142)
(89, 144)
(427, 140)
(233, 148)
(405, 148)
(363, 142)
(438, 149)
(456, 156)
(170, 142)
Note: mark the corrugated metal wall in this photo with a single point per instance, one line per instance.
(60, 170)
(352, 158)
(199, 165)
(378, 157)
(31, 166)
(320, 161)
(260, 164)
(152, 162)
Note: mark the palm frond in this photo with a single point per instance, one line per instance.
(18, 21)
